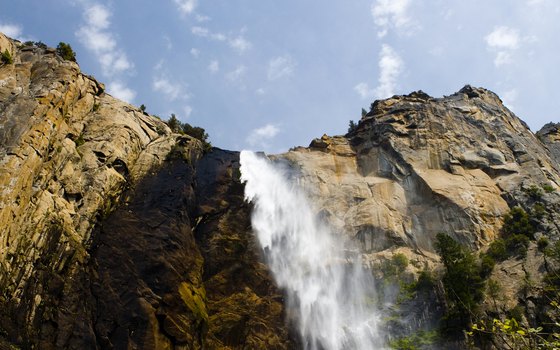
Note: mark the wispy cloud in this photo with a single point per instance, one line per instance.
(171, 90)
(11, 30)
(214, 66)
(206, 33)
(389, 14)
(237, 75)
(364, 90)
(390, 66)
(161, 83)
(279, 67)
(121, 91)
(239, 43)
(261, 136)
(195, 52)
(509, 97)
(186, 7)
(503, 40)
(95, 36)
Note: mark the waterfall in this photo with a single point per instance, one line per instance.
(327, 288)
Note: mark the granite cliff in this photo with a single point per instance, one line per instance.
(118, 233)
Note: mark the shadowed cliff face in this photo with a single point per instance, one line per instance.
(114, 233)
(117, 233)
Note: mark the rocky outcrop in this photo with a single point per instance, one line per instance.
(417, 165)
(118, 233)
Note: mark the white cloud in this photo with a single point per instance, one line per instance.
(389, 14)
(240, 44)
(261, 136)
(202, 18)
(509, 97)
(503, 38)
(94, 35)
(214, 66)
(120, 91)
(200, 31)
(195, 52)
(186, 6)
(390, 66)
(237, 74)
(502, 58)
(260, 91)
(364, 90)
(171, 90)
(12, 30)
(279, 67)
(188, 111)
(504, 41)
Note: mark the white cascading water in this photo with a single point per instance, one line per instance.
(328, 290)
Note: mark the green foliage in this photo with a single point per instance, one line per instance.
(514, 336)
(416, 341)
(7, 57)
(487, 264)
(352, 126)
(41, 45)
(538, 211)
(400, 261)
(548, 188)
(395, 266)
(65, 51)
(517, 245)
(79, 141)
(143, 108)
(497, 250)
(425, 281)
(364, 112)
(518, 222)
(463, 284)
(185, 128)
(542, 244)
(516, 313)
(534, 192)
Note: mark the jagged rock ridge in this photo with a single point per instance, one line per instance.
(117, 233)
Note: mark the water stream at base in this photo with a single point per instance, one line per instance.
(327, 288)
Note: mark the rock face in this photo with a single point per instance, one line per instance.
(117, 233)
(417, 165)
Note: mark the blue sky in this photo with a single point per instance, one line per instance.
(270, 75)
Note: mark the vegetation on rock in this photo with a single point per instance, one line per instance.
(185, 128)
(65, 51)
(7, 57)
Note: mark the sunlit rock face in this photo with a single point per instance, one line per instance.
(417, 165)
(115, 232)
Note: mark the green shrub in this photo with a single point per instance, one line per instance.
(534, 192)
(517, 245)
(65, 51)
(487, 264)
(518, 222)
(497, 250)
(542, 244)
(463, 284)
(548, 188)
(400, 261)
(425, 281)
(7, 57)
(352, 126)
